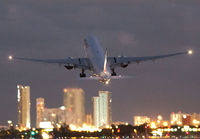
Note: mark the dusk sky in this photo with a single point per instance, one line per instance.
(56, 29)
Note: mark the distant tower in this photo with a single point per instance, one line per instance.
(74, 102)
(102, 109)
(23, 98)
(39, 111)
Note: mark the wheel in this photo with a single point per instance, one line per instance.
(113, 74)
(82, 75)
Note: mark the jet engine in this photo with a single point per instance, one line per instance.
(69, 67)
(124, 65)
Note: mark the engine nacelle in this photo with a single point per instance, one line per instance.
(124, 65)
(69, 67)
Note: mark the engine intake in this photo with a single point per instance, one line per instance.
(69, 67)
(124, 65)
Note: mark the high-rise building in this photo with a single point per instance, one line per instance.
(23, 98)
(105, 107)
(74, 102)
(102, 109)
(140, 120)
(39, 111)
(96, 111)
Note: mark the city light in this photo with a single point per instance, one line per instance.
(9, 122)
(165, 123)
(85, 127)
(62, 107)
(159, 117)
(153, 125)
(65, 90)
(45, 135)
(45, 125)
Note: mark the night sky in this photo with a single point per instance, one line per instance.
(56, 29)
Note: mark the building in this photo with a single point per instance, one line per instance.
(49, 117)
(74, 103)
(195, 119)
(180, 119)
(54, 116)
(140, 120)
(102, 109)
(39, 111)
(89, 119)
(186, 119)
(176, 118)
(96, 111)
(116, 123)
(105, 107)
(23, 99)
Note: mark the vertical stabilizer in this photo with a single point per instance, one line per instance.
(105, 61)
(86, 47)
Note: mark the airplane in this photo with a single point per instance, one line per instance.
(98, 62)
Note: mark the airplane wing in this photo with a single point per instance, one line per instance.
(124, 61)
(82, 63)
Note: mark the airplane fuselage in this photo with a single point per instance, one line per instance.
(97, 58)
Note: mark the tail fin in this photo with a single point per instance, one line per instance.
(85, 47)
(105, 61)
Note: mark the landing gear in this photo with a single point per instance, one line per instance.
(113, 73)
(82, 74)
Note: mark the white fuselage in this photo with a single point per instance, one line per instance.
(97, 58)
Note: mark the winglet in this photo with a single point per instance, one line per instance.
(105, 61)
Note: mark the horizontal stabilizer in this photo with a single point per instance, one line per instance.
(112, 77)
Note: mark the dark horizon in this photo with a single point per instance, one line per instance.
(56, 29)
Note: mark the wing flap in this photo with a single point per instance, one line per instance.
(117, 61)
(76, 62)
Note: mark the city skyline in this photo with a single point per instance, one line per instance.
(102, 112)
(132, 28)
